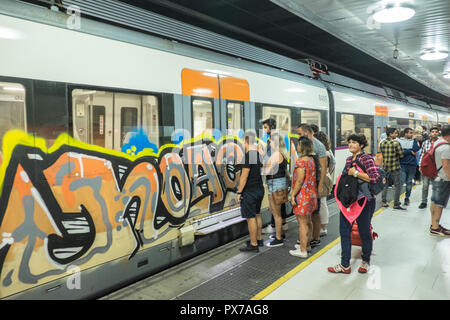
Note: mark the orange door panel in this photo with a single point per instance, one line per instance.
(381, 111)
(199, 84)
(206, 84)
(234, 89)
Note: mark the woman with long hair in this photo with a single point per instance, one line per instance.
(275, 170)
(369, 173)
(304, 194)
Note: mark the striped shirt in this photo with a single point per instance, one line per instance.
(392, 152)
(426, 145)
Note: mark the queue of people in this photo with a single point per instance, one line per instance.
(310, 183)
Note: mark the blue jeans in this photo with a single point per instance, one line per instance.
(408, 173)
(345, 230)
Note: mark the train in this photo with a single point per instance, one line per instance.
(118, 159)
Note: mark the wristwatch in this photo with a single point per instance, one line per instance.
(356, 174)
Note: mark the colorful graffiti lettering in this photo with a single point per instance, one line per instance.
(81, 203)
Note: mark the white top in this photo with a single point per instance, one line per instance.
(442, 152)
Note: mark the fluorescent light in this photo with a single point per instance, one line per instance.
(348, 99)
(394, 13)
(13, 89)
(208, 74)
(434, 55)
(222, 73)
(201, 91)
(7, 33)
(295, 90)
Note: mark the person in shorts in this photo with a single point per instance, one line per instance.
(250, 192)
(321, 154)
(304, 195)
(441, 184)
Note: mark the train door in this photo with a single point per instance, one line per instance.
(281, 115)
(127, 117)
(202, 116)
(234, 111)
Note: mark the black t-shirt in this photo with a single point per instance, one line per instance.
(253, 162)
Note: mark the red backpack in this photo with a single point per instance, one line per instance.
(428, 163)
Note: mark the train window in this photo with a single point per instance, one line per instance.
(347, 127)
(312, 117)
(98, 125)
(281, 115)
(203, 116)
(235, 117)
(111, 120)
(12, 108)
(151, 118)
(128, 122)
(351, 123)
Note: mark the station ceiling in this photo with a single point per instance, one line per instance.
(334, 32)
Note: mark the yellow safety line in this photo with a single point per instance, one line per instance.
(264, 293)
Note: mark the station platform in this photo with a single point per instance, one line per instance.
(406, 263)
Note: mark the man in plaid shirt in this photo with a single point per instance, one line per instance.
(392, 152)
(426, 145)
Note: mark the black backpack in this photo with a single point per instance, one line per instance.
(347, 190)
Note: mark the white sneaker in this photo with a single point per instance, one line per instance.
(268, 230)
(285, 227)
(298, 253)
(323, 232)
(308, 248)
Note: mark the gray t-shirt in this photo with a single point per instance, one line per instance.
(442, 152)
(319, 149)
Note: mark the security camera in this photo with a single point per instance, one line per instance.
(395, 54)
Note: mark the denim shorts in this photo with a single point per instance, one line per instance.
(276, 184)
(440, 192)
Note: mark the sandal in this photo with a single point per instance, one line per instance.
(340, 269)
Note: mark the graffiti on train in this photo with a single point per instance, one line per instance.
(82, 203)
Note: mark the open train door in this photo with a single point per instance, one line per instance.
(381, 122)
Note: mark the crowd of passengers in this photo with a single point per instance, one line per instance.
(311, 182)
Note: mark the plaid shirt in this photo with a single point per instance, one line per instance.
(392, 152)
(367, 161)
(426, 145)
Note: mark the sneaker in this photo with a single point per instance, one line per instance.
(260, 243)
(285, 227)
(308, 248)
(406, 202)
(323, 232)
(249, 248)
(298, 253)
(364, 267)
(273, 236)
(340, 269)
(441, 231)
(314, 243)
(385, 205)
(275, 243)
(269, 229)
(423, 205)
(399, 208)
